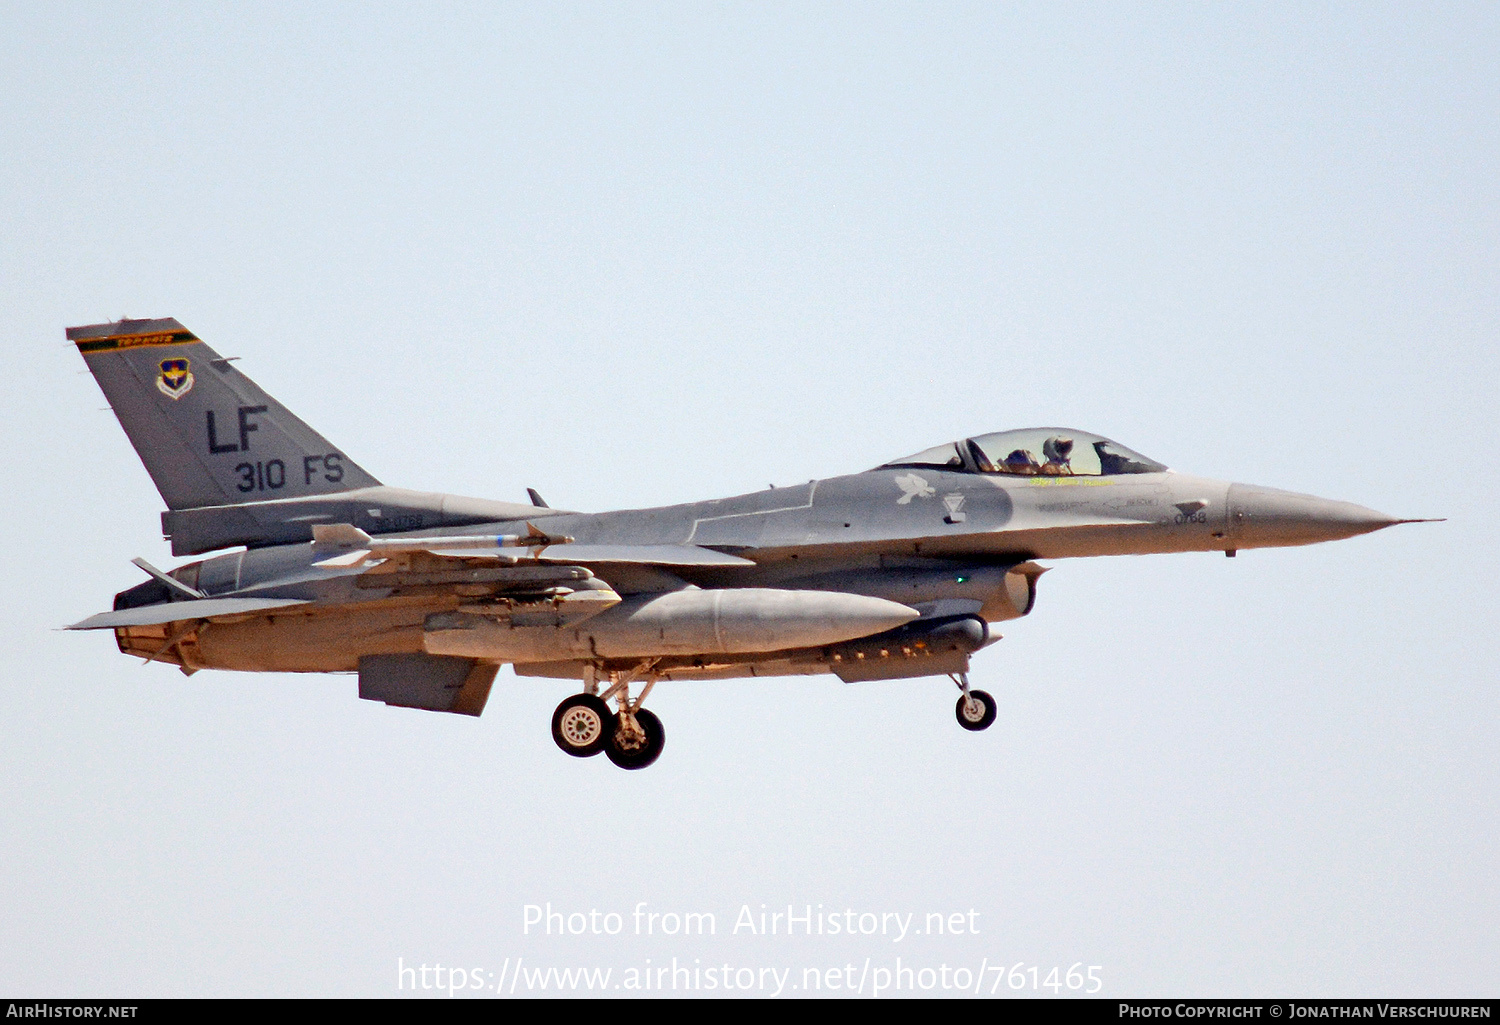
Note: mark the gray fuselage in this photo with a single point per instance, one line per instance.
(940, 541)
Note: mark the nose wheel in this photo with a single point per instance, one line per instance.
(976, 709)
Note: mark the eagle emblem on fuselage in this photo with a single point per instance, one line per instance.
(911, 487)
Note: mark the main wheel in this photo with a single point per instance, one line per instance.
(635, 753)
(977, 711)
(581, 725)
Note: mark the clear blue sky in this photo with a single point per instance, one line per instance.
(639, 254)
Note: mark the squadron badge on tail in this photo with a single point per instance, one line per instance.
(175, 379)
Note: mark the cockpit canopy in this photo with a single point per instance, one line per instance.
(1035, 452)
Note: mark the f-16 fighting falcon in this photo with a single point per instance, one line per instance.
(897, 572)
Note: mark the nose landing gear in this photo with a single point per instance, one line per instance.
(976, 709)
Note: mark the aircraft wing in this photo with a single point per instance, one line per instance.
(171, 612)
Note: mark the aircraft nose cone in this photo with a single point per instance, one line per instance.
(1270, 517)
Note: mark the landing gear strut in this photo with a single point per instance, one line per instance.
(630, 737)
(976, 709)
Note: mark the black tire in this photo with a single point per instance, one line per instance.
(642, 756)
(987, 709)
(582, 725)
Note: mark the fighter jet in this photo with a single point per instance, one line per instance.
(898, 572)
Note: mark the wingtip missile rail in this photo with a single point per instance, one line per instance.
(356, 546)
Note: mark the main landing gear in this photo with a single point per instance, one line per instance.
(631, 737)
(976, 709)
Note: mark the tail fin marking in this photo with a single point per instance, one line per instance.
(208, 435)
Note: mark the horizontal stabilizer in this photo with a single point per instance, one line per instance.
(175, 611)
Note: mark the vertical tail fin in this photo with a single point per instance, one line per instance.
(207, 433)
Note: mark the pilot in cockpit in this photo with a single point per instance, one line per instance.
(1058, 452)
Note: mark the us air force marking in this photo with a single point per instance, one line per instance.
(175, 380)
